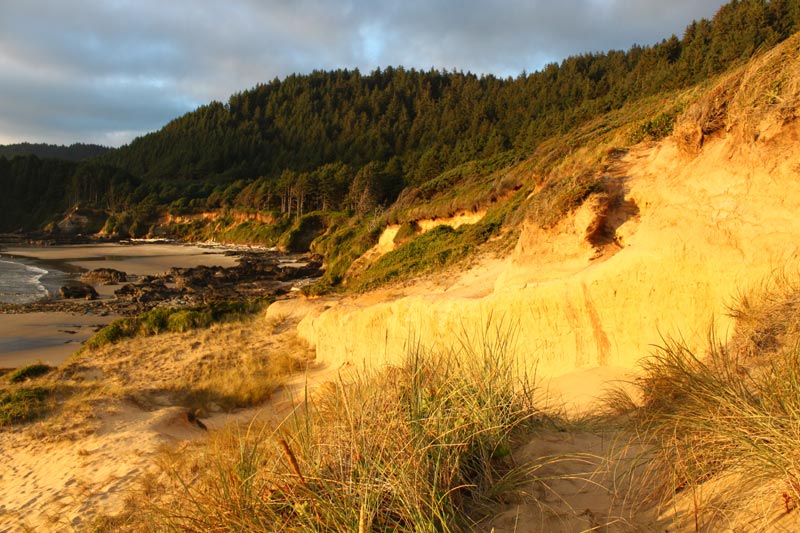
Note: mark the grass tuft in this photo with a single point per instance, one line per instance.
(424, 446)
(22, 404)
(32, 371)
(734, 411)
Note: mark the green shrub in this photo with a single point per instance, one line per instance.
(299, 238)
(176, 320)
(28, 372)
(435, 249)
(656, 128)
(154, 321)
(185, 319)
(342, 245)
(406, 232)
(22, 404)
(115, 331)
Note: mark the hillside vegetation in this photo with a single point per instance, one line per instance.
(358, 144)
(73, 152)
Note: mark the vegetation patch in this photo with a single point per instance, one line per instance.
(561, 195)
(298, 239)
(242, 379)
(22, 404)
(420, 447)
(433, 250)
(656, 128)
(175, 320)
(734, 411)
(341, 245)
(406, 232)
(28, 372)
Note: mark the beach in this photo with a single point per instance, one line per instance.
(51, 337)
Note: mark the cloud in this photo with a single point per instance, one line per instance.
(107, 70)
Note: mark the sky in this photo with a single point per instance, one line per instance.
(106, 71)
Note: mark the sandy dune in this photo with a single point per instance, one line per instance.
(61, 472)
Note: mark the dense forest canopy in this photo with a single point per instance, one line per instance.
(344, 140)
(73, 152)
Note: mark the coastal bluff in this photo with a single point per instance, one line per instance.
(702, 229)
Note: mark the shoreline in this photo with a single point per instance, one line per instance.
(47, 337)
(51, 330)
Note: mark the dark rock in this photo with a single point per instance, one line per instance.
(106, 276)
(77, 290)
(146, 292)
(258, 275)
(196, 277)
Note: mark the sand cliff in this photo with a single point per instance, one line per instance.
(694, 230)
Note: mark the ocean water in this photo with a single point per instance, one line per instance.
(25, 281)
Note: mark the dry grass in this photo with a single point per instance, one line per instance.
(420, 447)
(750, 101)
(730, 414)
(706, 116)
(241, 377)
(223, 367)
(769, 92)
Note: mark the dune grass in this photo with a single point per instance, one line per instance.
(27, 372)
(733, 412)
(424, 446)
(235, 376)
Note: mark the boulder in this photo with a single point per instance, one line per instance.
(199, 277)
(78, 290)
(106, 276)
(146, 292)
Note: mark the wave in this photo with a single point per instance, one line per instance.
(21, 282)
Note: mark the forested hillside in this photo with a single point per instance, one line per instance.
(73, 152)
(347, 141)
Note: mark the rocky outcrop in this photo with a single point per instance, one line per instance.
(256, 275)
(147, 291)
(76, 290)
(105, 276)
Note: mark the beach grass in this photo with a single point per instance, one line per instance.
(27, 372)
(729, 413)
(422, 446)
(23, 404)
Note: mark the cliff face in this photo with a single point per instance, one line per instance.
(696, 223)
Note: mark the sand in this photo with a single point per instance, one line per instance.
(59, 473)
(47, 337)
(139, 259)
(52, 337)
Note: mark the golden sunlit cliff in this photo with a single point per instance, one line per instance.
(701, 216)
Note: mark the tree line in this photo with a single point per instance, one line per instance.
(73, 152)
(343, 140)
